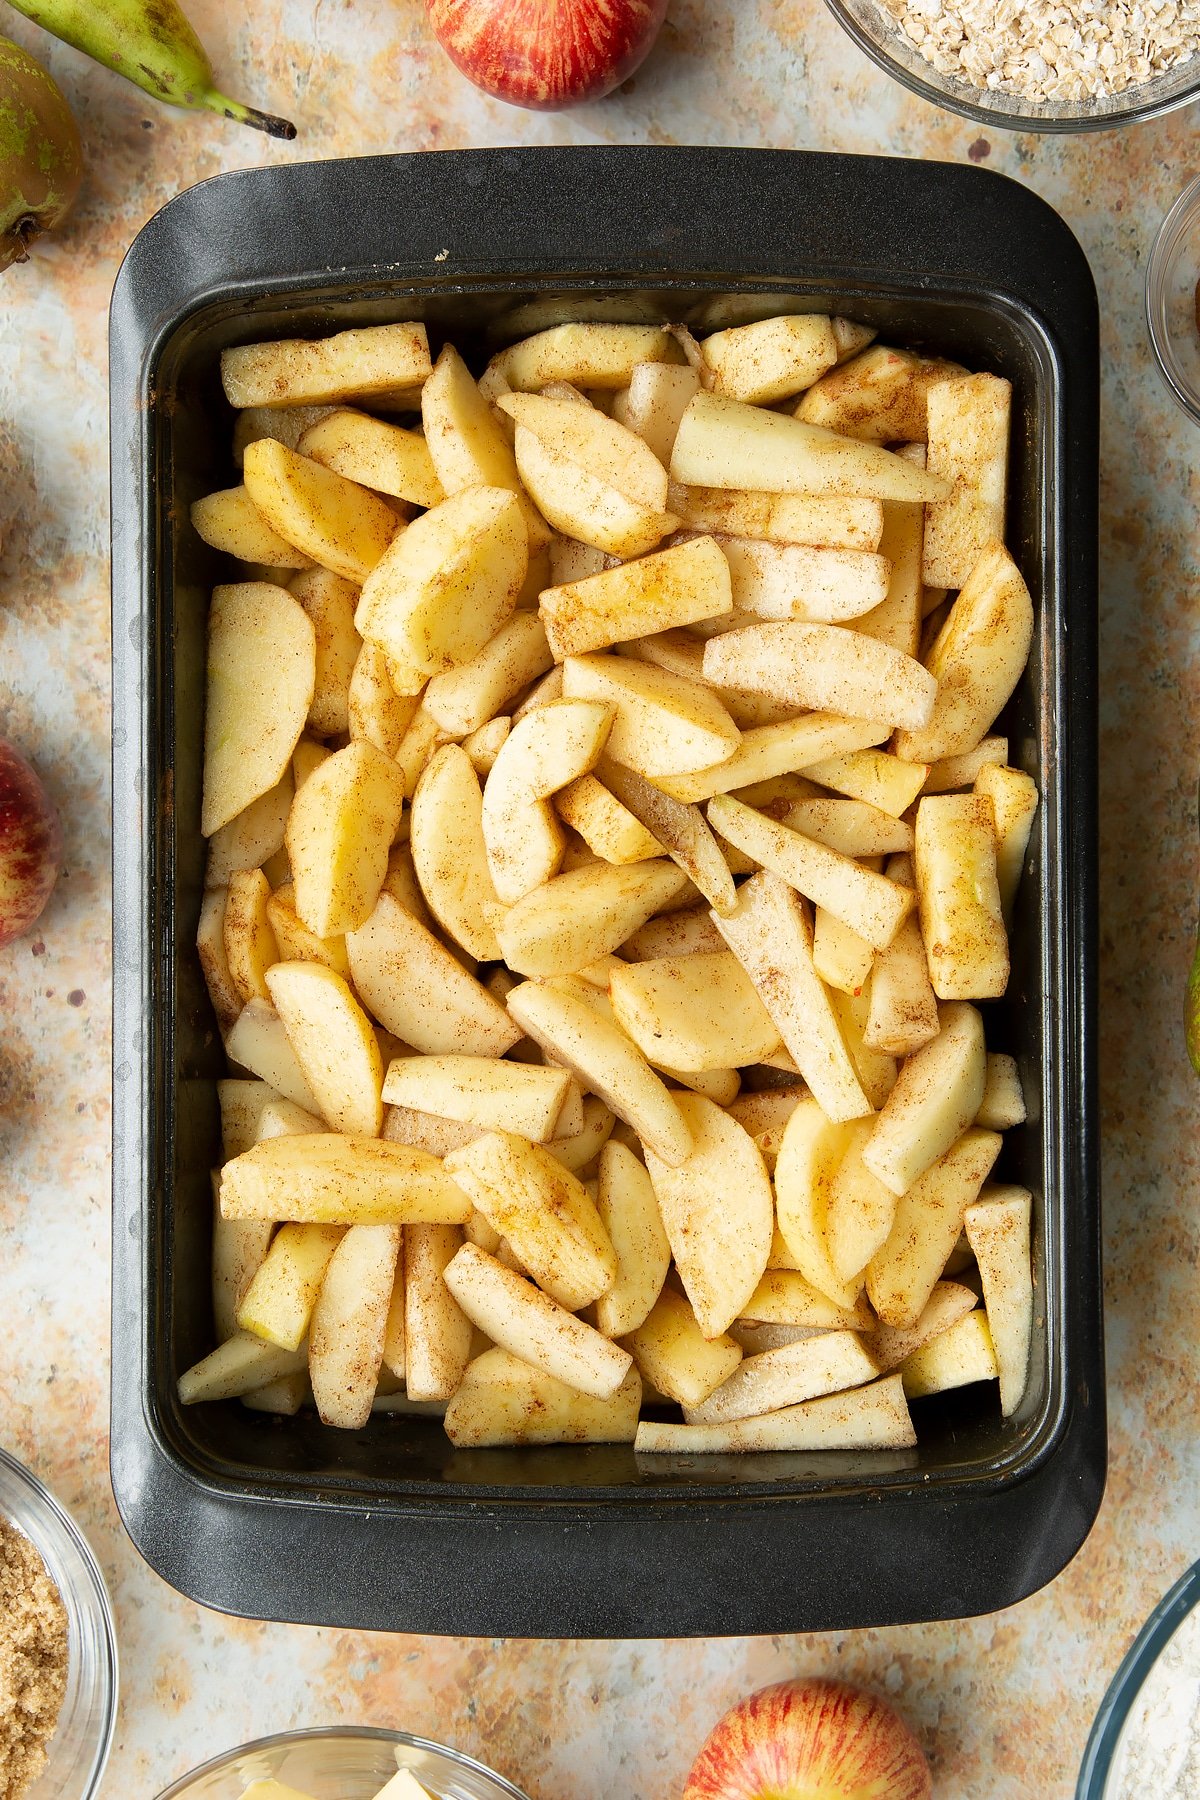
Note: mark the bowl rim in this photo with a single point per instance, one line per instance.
(1126, 1685)
(310, 1733)
(96, 1597)
(1181, 211)
(954, 98)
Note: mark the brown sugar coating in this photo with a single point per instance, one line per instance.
(33, 1661)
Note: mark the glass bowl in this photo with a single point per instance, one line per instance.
(1171, 277)
(79, 1748)
(342, 1763)
(1105, 1773)
(877, 33)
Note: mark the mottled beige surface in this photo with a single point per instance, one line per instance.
(1003, 1703)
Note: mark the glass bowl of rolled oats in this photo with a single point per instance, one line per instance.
(1036, 65)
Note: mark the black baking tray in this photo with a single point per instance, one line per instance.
(393, 1528)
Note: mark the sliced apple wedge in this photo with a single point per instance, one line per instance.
(969, 425)
(825, 667)
(449, 582)
(230, 521)
(771, 936)
(998, 1229)
(1014, 800)
(383, 457)
(935, 1098)
(481, 1090)
(278, 1303)
(437, 1333)
(334, 1044)
(584, 914)
(328, 1178)
(717, 1212)
(1003, 1103)
(449, 853)
(587, 354)
(775, 749)
(467, 444)
(810, 1154)
(828, 1364)
(871, 904)
(260, 680)
(606, 1061)
(859, 1211)
(831, 520)
(346, 1336)
(674, 1356)
(502, 1400)
(656, 593)
(606, 826)
(770, 359)
(880, 396)
(678, 827)
(519, 1318)
(962, 918)
(257, 1041)
(382, 363)
(693, 1012)
(961, 1354)
(629, 1211)
(874, 1417)
(948, 1303)
(239, 1364)
(726, 444)
(465, 699)
(801, 581)
(664, 724)
(654, 402)
(252, 838)
(784, 1297)
(417, 989)
(902, 1275)
(590, 477)
(550, 747)
(335, 522)
(340, 829)
(542, 1210)
(976, 659)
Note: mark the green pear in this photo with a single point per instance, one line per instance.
(41, 161)
(151, 43)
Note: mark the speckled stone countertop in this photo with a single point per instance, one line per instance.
(1004, 1703)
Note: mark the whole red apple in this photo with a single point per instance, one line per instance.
(31, 844)
(810, 1740)
(546, 54)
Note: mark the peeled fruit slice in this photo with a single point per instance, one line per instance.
(590, 477)
(261, 677)
(449, 581)
(41, 159)
(342, 526)
(812, 1738)
(502, 1400)
(717, 1211)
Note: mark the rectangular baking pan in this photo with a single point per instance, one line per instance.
(392, 1527)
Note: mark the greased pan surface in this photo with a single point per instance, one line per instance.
(392, 1528)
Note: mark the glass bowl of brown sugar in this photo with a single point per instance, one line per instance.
(58, 1652)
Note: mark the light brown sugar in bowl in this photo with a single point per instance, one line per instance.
(33, 1661)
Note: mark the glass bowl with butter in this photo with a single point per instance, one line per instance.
(342, 1763)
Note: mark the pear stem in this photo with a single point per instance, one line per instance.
(249, 115)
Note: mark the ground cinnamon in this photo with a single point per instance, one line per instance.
(33, 1661)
